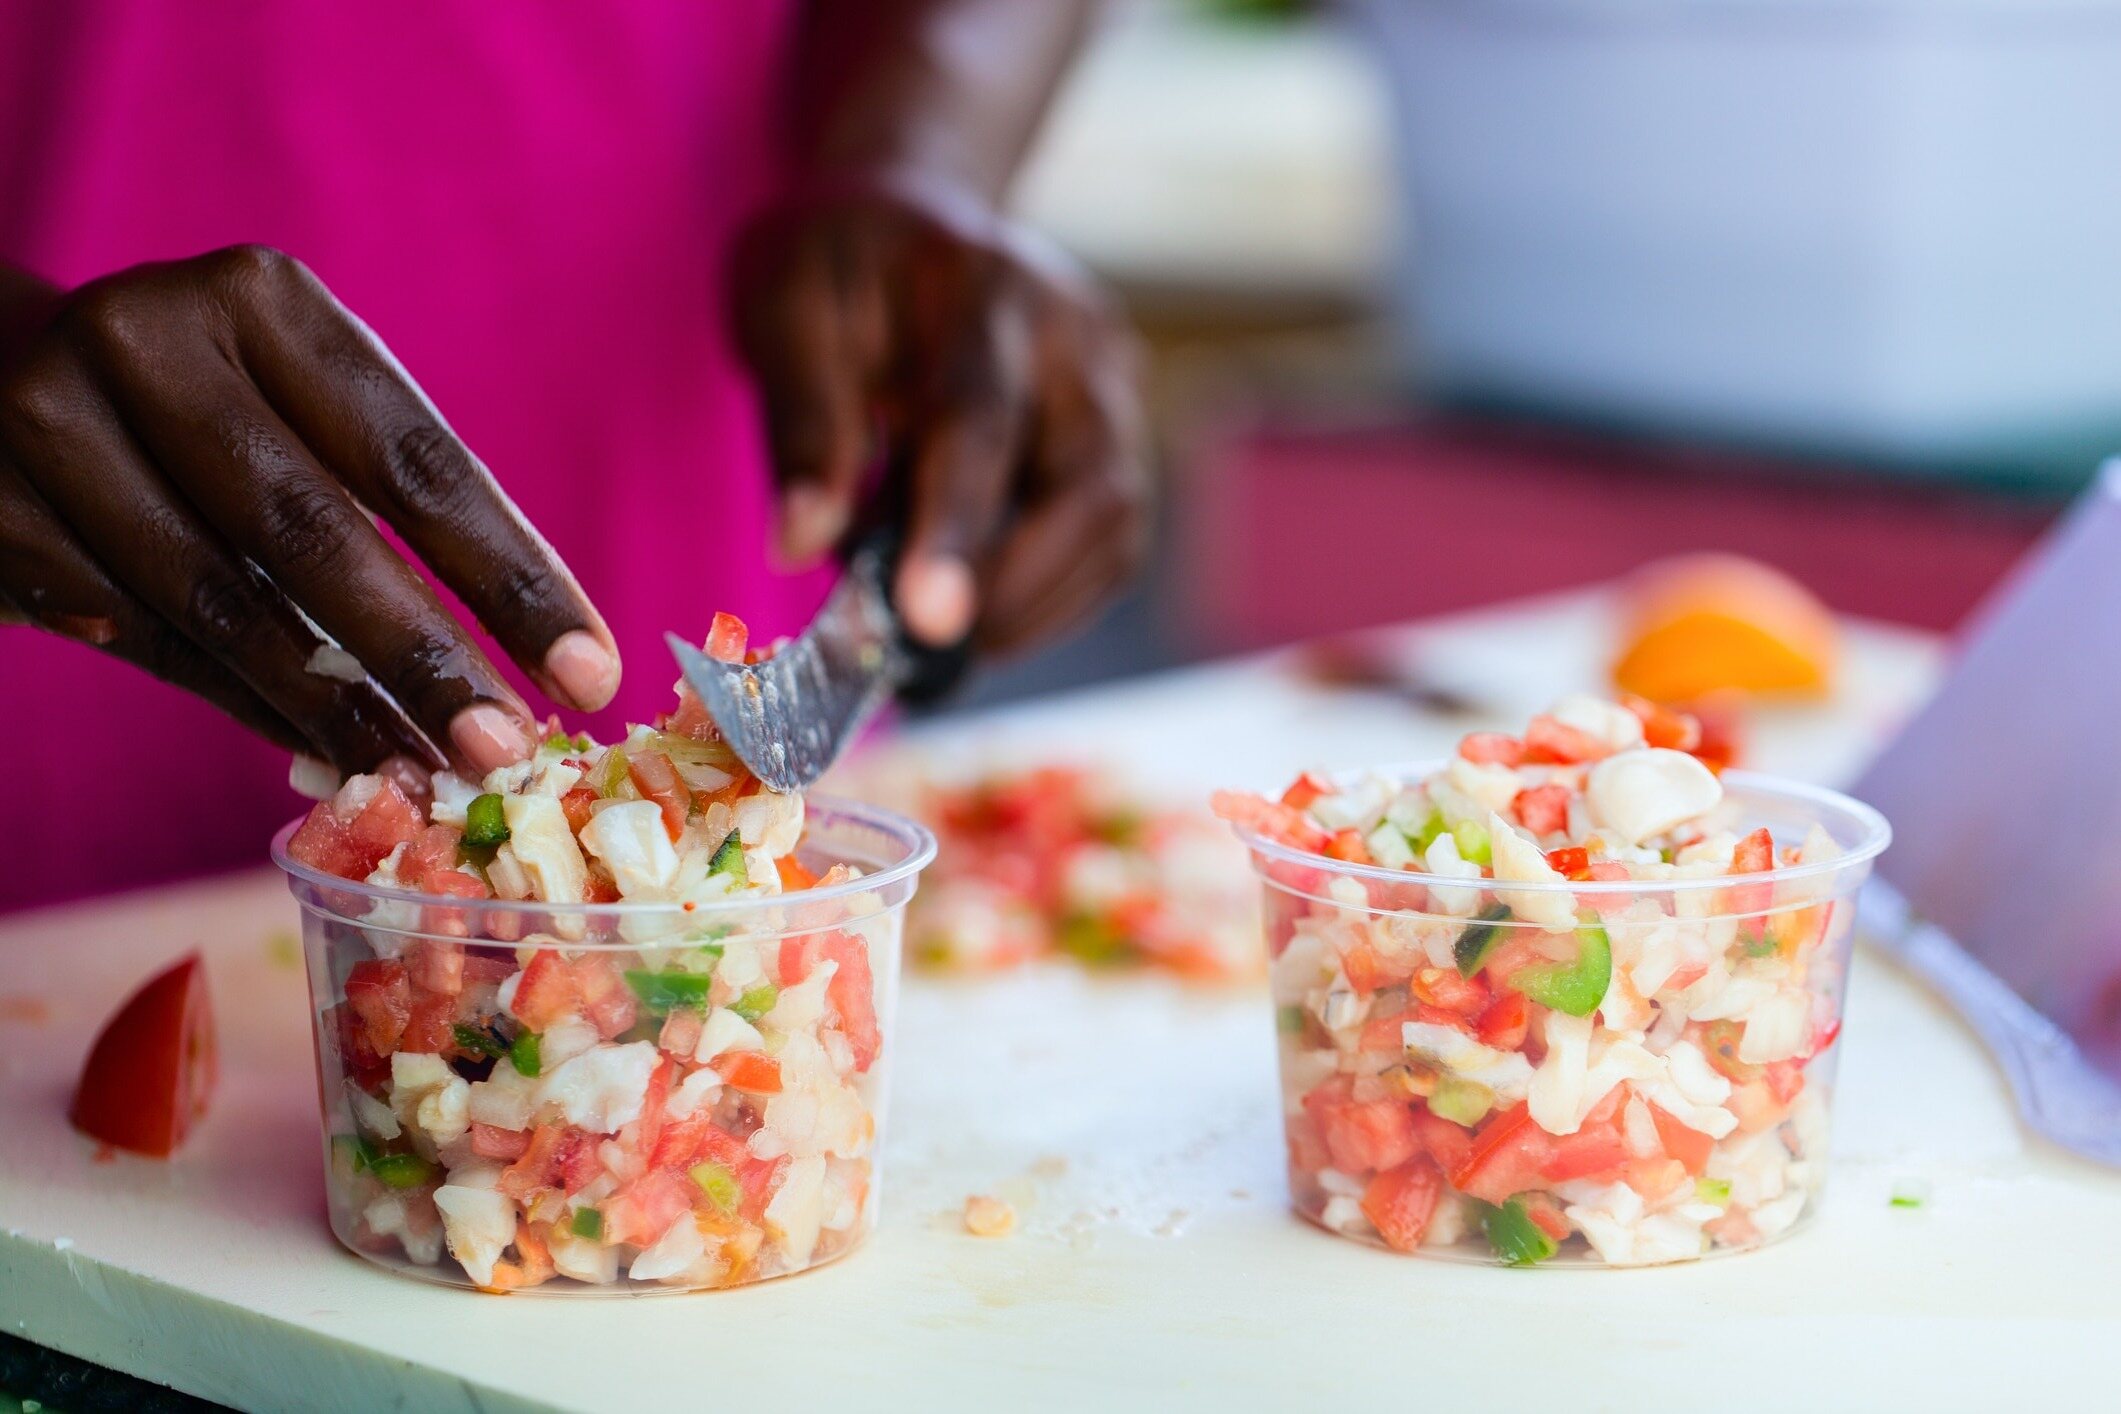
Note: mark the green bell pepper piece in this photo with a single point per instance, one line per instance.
(1289, 1020)
(401, 1170)
(1463, 1102)
(756, 1002)
(1474, 846)
(663, 992)
(589, 1223)
(1514, 1236)
(524, 1054)
(478, 1041)
(728, 860)
(1479, 939)
(1713, 1190)
(1574, 987)
(485, 822)
(719, 1184)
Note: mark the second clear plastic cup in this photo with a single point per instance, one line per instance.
(610, 1098)
(1668, 1101)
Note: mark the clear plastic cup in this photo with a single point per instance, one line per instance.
(701, 1103)
(1683, 1114)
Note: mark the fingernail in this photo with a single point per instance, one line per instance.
(935, 598)
(811, 520)
(488, 737)
(317, 780)
(585, 669)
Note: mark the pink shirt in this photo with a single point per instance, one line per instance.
(527, 201)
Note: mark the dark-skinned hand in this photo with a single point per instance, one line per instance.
(992, 378)
(189, 456)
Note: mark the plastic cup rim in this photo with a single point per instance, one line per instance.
(920, 853)
(1877, 833)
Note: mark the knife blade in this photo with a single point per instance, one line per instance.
(788, 717)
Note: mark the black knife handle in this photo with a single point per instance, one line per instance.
(932, 673)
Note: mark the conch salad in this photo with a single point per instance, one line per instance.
(686, 1104)
(1059, 861)
(1505, 1066)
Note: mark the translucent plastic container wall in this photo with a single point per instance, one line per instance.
(1591, 1073)
(610, 1098)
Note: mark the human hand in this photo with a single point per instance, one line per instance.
(994, 377)
(189, 455)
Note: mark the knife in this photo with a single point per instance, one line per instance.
(789, 716)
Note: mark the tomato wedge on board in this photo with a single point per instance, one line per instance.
(152, 1070)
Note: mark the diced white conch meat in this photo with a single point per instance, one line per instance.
(1603, 721)
(770, 822)
(724, 1031)
(1443, 858)
(797, 1210)
(544, 845)
(602, 1090)
(1451, 1050)
(1643, 793)
(634, 844)
(479, 1224)
(681, 1244)
(1517, 858)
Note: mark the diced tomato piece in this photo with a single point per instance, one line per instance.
(1364, 1136)
(1492, 748)
(1547, 740)
(490, 1142)
(1546, 1215)
(1662, 726)
(1348, 845)
(1572, 862)
(1690, 1146)
(1655, 1179)
(1507, 1156)
(1722, 726)
(547, 992)
(683, 1142)
(1384, 1033)
(1399, 1202)
(1504, 1023)
(387, 821)
(680, 1035)
(1269, 818)
(1588, 1153)
(852, 990)
(152, 1069)
(432, 1027)
(578, 805)
(435, 966)
(435, 851)
(358, 1057)
(794, 876)
(1450, 1144)
(606, 1000)
(1785, 1079)
(754, 1072)
(643, 1210)
(1364, 968)
(1543, 809)
(656, 777)
(1307, 788)
(1443, 988)
(1608, 871)
(576, 1163)
(640, 1136)
(380, 995)
(451, 922)
(535, 1167)
(727, 638)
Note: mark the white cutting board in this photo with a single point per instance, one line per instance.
(1134, 1121)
